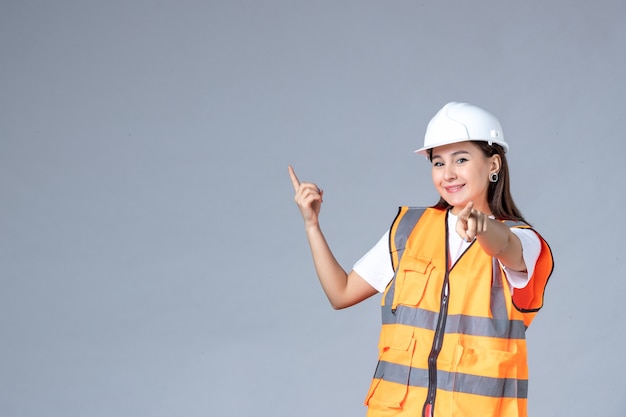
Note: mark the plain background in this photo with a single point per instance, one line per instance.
(152, 260)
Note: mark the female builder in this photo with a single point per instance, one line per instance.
(462, 280)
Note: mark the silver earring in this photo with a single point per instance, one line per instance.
(493, 177)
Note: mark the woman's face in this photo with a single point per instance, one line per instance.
(461, 174)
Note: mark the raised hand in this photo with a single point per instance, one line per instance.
(308, 198)
(471, 222)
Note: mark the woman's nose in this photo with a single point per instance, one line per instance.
(449, 172)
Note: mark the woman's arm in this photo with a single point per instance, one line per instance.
(494, 237)
(341, 289)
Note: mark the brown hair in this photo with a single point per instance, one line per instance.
(499, 194)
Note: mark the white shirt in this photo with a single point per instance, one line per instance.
(375, 266)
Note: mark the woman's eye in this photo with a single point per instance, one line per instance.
(461, 160)
(437, 164)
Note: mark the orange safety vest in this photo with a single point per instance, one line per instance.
(453, 338)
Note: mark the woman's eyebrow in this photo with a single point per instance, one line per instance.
(452, 154)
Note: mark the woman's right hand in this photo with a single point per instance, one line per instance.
(308, 198)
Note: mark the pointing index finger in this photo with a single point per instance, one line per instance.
(464, 214)
(294, 179)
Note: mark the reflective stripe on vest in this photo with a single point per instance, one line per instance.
(450, 381)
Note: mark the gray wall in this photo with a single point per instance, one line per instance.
(152, 261)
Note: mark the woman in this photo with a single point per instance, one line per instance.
(462, 280)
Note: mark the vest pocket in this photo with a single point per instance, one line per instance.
(411, 281)
(390, 385)
(396, 337)
(485, 383)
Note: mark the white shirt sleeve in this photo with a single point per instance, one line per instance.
(531, 248)
(375, 266)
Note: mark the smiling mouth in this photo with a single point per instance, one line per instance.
(453, 189)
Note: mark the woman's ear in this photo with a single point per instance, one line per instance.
(496, 163)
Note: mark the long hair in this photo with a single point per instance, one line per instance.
(499, 193)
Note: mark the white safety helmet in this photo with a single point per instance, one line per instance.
(458, 122)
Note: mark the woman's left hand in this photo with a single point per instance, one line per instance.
(471, 222)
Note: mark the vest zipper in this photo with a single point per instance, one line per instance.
(429, 405)
(436, 349)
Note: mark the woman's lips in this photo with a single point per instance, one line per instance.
(453, 188)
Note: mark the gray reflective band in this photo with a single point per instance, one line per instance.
(456, 323)
(453, 381)
(497, 301)
(404, 229)
(410, 316)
